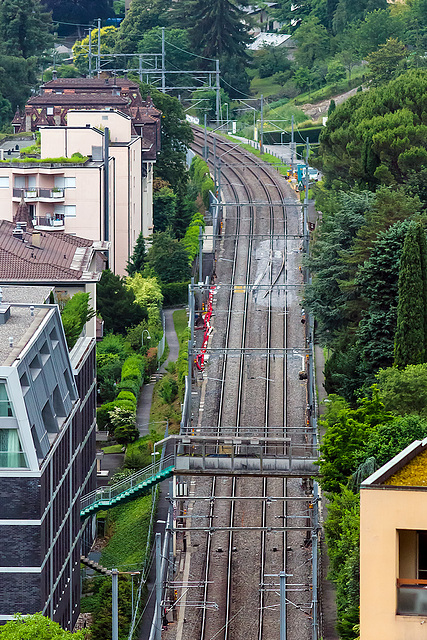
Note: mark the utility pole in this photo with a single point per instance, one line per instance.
(90, 52)
(217, 87)
(282, 576)
(99, 48)
(261, 141)
(115, 604)
(200, 255)
(214, 163)
(314, 546)
(191, 341)
(292, 144)
(205, 149)
(158, 634)
(305, 206)
(163, 62)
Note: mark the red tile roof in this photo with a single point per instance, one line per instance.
(68, 99)
(22, 260)
(95, 83)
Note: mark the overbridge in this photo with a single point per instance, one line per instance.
(223, 455)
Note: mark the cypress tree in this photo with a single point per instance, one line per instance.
(137, 260)
(409, 339)
(423, 256)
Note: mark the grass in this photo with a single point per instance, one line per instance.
(277, 163)
(265, 86)
(128, 530)
(113, 448)
(180, 321)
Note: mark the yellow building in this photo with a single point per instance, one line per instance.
(393, 548)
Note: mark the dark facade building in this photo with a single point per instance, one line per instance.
(47, 456)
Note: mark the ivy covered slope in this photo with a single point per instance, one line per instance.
(377, 137)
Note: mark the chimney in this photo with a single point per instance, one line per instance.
(54, 75)
(18, 233)
(36, 239)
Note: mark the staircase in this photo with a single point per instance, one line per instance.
(134, 486)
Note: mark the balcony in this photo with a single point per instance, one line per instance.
(49, 223)
(38, 194)
(411, 597)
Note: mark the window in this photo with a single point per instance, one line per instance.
(62, 182)
(412, 573)
(11, 454)
(49, 111)
(19, 182)
(68, 210)
(4, 182)
(104, 117)
(6, 409)
(35, 367)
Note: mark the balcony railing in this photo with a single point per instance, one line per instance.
(411, 597)
(38, 192)
(56, 222)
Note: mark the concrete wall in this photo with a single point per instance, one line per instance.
(383, 513)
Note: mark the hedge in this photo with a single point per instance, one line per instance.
(134, 369)
(175, 293)
(127, 395)
(182, 362)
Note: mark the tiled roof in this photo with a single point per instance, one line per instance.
(95, 83)
(22, 260)
(67, 99)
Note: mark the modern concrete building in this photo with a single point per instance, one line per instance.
(393, 548)
(107, 197)
(47, 456)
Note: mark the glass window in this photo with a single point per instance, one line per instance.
(4, 182)
(20, 182)
(6, 409)
(11, 454)
(70, 210)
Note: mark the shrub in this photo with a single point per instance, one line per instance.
(151, 360)
(102, 415)
(133, 369)
(168, 389)
(75, 314)
(182, 362)
(129, 385)
(127, 395)
(123, 424)
(175, 293)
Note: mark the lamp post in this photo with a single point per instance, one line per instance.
(142, 336)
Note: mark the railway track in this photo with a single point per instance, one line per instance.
(234, 572)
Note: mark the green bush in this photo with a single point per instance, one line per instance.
(207, 186)
(182, 362)
(103, 415)
(127, 395)
(129, 385)
(75, 314)
(134, 369)
(168, 389)
(175, 293)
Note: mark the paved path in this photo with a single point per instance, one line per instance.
(146, 395)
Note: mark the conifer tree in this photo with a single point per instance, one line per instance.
(423, 256)
(410, 335)
(137, 260)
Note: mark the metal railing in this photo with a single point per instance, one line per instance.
(38, 192)
(58, 220)
(162, 344)
(107, 494)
